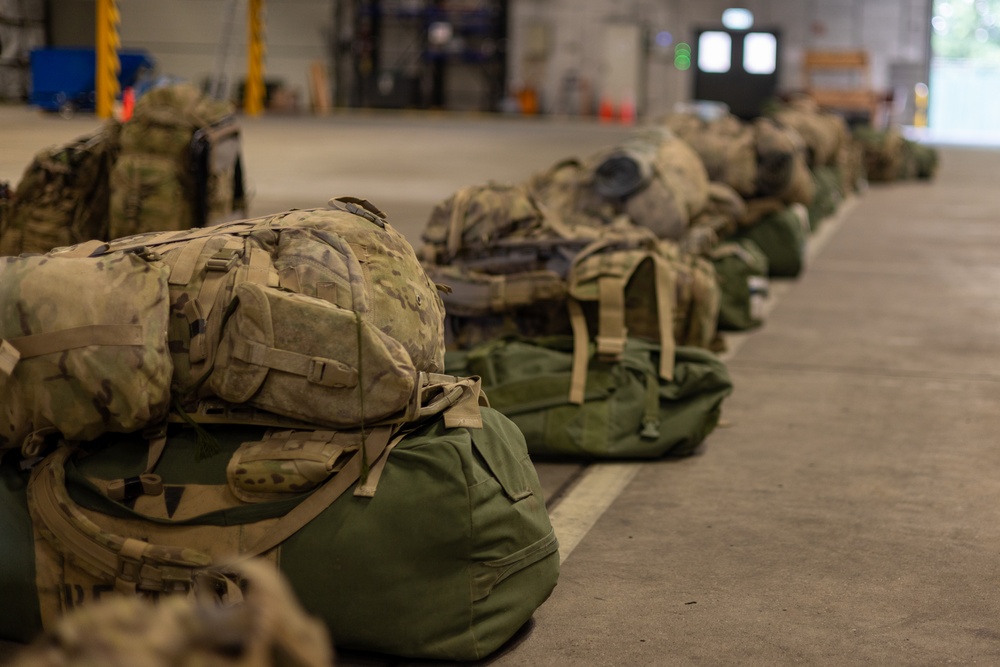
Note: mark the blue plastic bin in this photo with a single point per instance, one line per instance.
(63, 78)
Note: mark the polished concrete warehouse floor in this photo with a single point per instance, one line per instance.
(847, 512)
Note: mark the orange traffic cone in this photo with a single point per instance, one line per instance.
(627, 112)
(606, 111)
(128, 103)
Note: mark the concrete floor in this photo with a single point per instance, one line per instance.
(848, 511)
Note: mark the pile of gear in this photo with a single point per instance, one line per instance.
(206, 395)
(591, 298)
(307, 391)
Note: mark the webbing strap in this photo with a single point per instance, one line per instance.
(198, 311)
(184, 263)
(374, 444)
(85, 249)
(9, 356)
(370, 485)
(581, 352)
(131, 564)
(499, 293)
(259, 269)
(318, 370)
(651, 409)
(35, 345)
(611, 331)
(666, 288)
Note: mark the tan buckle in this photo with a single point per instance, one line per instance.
(330, 373)
(224, 259)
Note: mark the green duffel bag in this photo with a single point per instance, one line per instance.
(741, 269)
(829, 194)
(628, 412)
(444, 552)
(782, 237)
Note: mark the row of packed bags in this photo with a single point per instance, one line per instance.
(262, 388)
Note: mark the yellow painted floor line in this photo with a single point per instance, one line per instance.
(602, 483)
(593, 493)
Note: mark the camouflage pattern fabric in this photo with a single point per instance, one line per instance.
(919, 161)
(678, 186)
(323, 315)
(825, 134)
(264, 627)
(63, 195)
(155, 183)
(475, 216)
(344, 264)
(566, 191)
(883, 153)
(726, 146)
(305, 358)
(782, 167)
(286, 462)
(718, 221)
(87, 361)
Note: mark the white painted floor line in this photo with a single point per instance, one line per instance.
(594, 492)
(602, 483)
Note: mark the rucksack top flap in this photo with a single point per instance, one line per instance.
(304, 357)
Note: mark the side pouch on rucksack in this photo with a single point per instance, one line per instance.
(84, 346)
(303, 357)
(148, 193)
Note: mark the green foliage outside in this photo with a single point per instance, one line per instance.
(967, 29)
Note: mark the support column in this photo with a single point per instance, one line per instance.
(253, 91)
(107, 63)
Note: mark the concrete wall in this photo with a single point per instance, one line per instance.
(184, 36)
(894, 32)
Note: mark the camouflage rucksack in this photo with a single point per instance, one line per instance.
(320, 315)
(180, 164)
(726, 145)
(653, 178)
(782, 166)
(63, 195)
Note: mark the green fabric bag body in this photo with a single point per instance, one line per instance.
(829, 194)
(19, 615)
(448, 558)
(628, 411)
(782, 238)
(741, 268)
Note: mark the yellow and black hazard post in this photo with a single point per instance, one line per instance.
(253, 92)
(108, 65)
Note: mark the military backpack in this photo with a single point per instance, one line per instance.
(321, 315)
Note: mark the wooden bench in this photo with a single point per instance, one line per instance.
(853, 66)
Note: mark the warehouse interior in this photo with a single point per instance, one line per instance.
(844, 510)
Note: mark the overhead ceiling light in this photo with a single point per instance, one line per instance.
(736, 18)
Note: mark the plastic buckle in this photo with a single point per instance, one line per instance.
(129, 570)
(175, 579)
(223, 260)
(132, 489)
(650, 429)
(610, 347)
